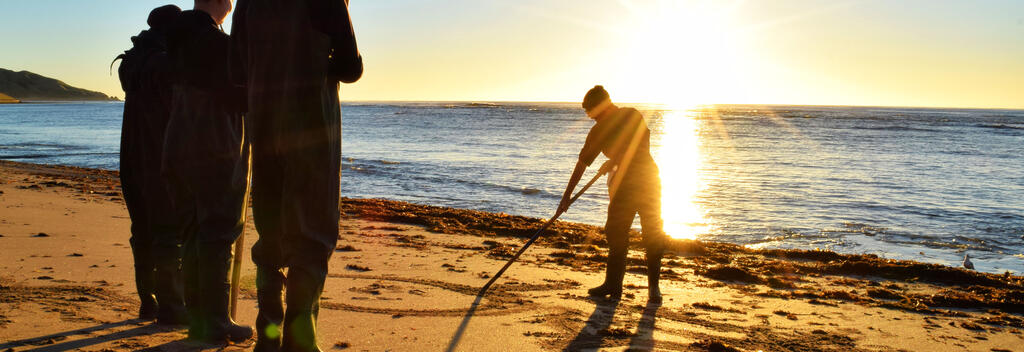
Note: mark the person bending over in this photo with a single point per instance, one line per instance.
(634, 187)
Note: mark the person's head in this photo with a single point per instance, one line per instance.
(597, 102)
(218, 9)
(162, 17)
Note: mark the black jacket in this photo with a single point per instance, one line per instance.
(198, 50)
(206, 127)
(145, 75)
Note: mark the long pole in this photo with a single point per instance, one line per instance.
(536, 236)
(236, 273)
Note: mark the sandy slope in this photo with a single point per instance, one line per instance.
(401, 287)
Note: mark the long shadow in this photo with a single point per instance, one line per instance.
(465, 321)
(45, 345)
(644, 338)
(598, 321)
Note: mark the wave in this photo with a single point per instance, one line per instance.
(896, 128)
(1000, 126)
(43, 156)
(398, 171)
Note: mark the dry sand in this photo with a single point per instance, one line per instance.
(405, 275)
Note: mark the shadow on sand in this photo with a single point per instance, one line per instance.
(52, 342)
(597, 328)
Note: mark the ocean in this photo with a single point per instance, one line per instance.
(905, 183)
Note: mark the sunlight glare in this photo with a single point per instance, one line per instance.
(682, 53)
(679, 160)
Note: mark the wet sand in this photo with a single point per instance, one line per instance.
(405, 276)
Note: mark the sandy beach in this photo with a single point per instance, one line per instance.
(405, 276)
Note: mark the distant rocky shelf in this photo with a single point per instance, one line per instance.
(24, 86)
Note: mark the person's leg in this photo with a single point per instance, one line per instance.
(311, 198)
(167, 229)
(620, 219)
(266, 252)
(141, 242)
(221, 192)
(654, 237)
(184, 205)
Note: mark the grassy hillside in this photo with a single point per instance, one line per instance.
(6, 99)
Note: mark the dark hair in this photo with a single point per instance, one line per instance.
(595, 96)
(162, 17)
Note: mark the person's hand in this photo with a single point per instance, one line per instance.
(607, 167)
(563, 206)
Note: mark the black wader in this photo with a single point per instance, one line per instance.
(156, 235)
(296, 129)
(625, 139)
(207, 161)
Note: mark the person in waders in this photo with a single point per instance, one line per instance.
(156, 235)
(634, 187)
(291, 56)
(207, 160)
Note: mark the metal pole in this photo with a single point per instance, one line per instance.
(236, 273)
(536, 236)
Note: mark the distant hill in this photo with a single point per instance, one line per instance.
(28, 86)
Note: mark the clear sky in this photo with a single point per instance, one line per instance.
(879, 52)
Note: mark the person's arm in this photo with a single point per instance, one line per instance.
(574, 180)
(332, 18)
(239, 55)
(591, 149)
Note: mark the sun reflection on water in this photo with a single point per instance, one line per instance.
(679, 159)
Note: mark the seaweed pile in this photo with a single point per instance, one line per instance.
(783, 273)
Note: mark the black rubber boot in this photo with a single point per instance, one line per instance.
(170, 287)
(612, 286)
(215, 288)
(145, 282)
(269, 284)
(193, 293)
(654, 256)
(303, 300)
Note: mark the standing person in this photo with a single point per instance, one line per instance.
(634, 187)
(291, 56)
(156, 238)
(207, 160)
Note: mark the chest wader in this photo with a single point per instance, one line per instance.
(284, 52)
(156, 236)
(636, 195)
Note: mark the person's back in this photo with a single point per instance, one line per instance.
(145, 77)
(625, 139)
(207, 127)
(284, 52)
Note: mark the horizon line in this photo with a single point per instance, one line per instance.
(1020, 108)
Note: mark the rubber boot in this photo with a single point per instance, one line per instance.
(170, 286)
(303, 301)
(193, 293)
(269, 284)
(654, 256)
(612, 286)
(216, 293)
(145, 281)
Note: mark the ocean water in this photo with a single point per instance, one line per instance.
(923, 184)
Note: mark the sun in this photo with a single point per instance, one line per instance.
(681, 53)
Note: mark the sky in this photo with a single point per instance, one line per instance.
(935, 53)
